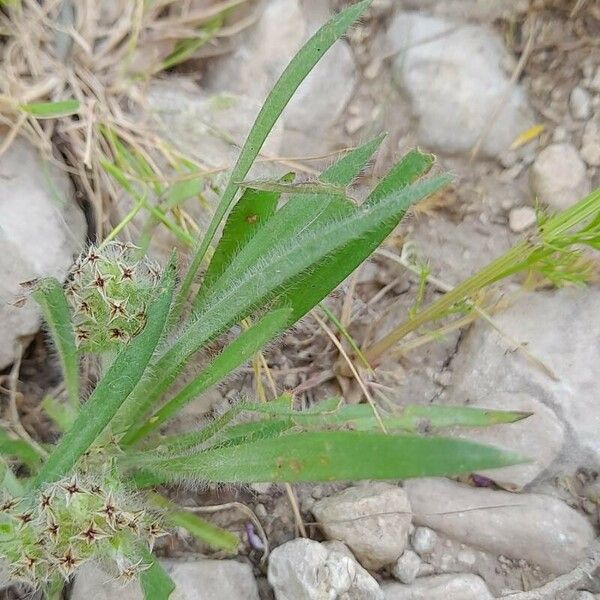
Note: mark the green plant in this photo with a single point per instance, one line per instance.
(271, 265)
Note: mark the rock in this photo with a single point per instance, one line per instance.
(376, 540)
(213, 580)
(539, 438)
(440, 587)
(263, 53)
(208, 127)
(558, 177)
(580, 103)
(197, 580)
(454, 78)
(306, 570)
(42, 229)
(407, 567)
(487, 364)
(423, 541)
(590, 143)
(536, 528)
(521, 218)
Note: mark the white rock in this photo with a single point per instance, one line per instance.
(209, 127)
(536, 528)
(488, 364)
(580, 103)
(558, 177)
(538, 438)
(440, 587)
(521, 218)
(423, 541)
(261, 56)
(454, 77)
(373, 519)
(306, 570)
(583, 595)
(407, 567)
(42, 229)
(197, 580)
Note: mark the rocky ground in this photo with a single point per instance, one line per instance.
(465, 79)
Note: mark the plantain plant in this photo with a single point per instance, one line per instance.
(91, 496)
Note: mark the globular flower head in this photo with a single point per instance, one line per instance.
(109, 292)
(73, 521)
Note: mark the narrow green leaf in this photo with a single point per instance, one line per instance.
(413, 165)
(293, 75)
(216, 537)
(349, 166)
(50, 296)
(51, 110)
(155, 581)
(232, 357)
(113, 389)
(330, 456)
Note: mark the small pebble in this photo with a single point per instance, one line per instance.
(580, 103)
(559, 135)
(407, 567)
(521, 218)
(423, 541)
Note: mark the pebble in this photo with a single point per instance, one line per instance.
(590, 143)
(440, 587)
(580, 103)
(558, 177)
(407, 567)
(42, 230)
(303, 569)
(423, 541)
(454, 76)
(521, 218)
(373, 519)
(539, 529)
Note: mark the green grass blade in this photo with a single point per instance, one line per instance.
(62, 415)
(349, 166)
(112, 390)
(51, 110)
(330, 456)
(215, 537)
(155, 581)
(20, 450)
(232, 357)
(51, 299)
(291, 78)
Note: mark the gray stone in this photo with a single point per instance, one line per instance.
(42, 229)
(453, 74)
(440, 587)
(423, 541)
(197, 580)
(580, 103)
(558, 177)
(407, 567)
(521, 218)
(306, 570)
(261, 56)
(539, 437)
(539, 529)
(564, 379)
(373, 519)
